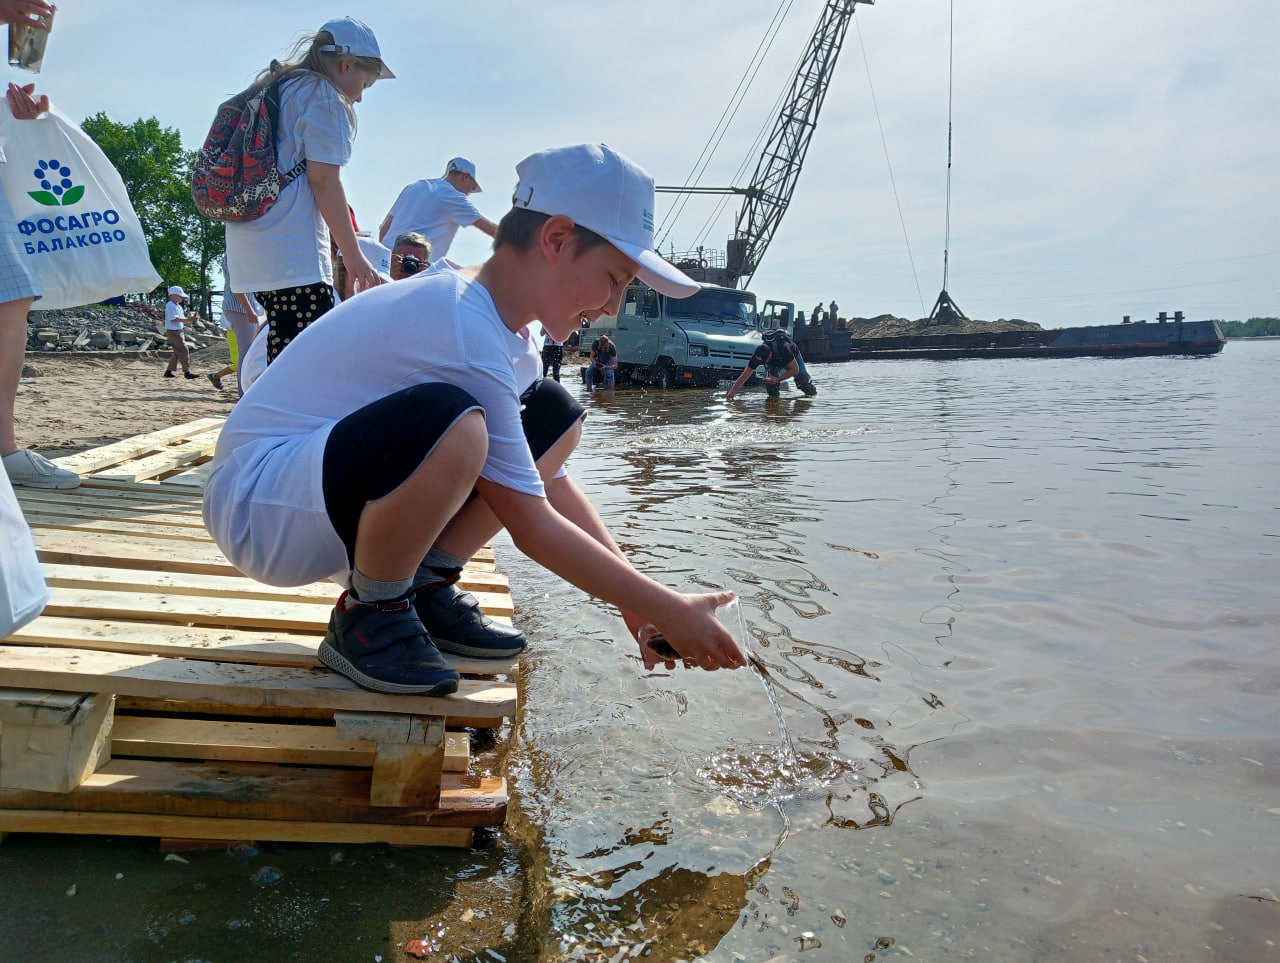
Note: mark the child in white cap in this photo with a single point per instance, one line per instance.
(175, 318)
(283, 256)
(413, 450)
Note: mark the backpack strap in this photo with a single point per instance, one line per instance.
(272, 100)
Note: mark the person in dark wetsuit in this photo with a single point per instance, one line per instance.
(781, 360)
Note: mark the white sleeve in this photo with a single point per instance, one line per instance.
(463, 212)
(323, 131)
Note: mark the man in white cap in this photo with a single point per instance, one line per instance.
(174, 319)
(436, 208)
(425, 438)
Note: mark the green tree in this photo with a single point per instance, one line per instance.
(1253, 328)
(157, 173)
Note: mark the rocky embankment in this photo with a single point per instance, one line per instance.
(888, 326)
(131, 328)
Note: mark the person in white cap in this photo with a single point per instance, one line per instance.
(174, 320)
(436, 208)
(283, 257)
(423, 439)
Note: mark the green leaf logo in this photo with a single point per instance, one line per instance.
(57, 188)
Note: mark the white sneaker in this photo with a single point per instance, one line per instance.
(32, 470)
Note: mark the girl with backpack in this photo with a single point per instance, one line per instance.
(283, 256)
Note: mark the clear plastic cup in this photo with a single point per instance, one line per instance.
(26, 43)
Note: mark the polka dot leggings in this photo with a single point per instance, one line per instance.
(289, 310)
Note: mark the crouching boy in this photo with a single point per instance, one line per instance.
(405, 428)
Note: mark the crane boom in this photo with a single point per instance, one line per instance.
(779, 165)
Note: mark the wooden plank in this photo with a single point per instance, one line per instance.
(57, 748)
(159, 487)
(300, 745)
(186, 502)
(305, 616)
(156, 554)
(252, 790)
(115, 551)
(408, 774)
(167, 460)
(279, 615)
(105, 456)
(117, 527)
(240, 586)
(199, 642)
(195, 827)
(83, 670)
(81, 508)
(195, 477)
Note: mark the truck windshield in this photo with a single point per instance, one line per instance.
(728, 306)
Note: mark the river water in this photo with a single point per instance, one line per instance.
(1023, 621)
(1023, 625)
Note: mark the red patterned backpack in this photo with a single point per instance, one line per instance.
(235, 177)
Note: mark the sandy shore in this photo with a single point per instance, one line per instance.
(80, 400)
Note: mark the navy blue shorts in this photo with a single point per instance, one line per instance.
(372, 451)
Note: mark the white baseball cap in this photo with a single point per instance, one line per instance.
(604, 192)
(177, 289)
(354, 38)
(464, 166)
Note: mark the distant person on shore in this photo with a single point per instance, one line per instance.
(18, 290)
(781, 359)
(284, 256)
(436, 208)
(832, 316)
(420, 442)
(175, 319)
(552, 355)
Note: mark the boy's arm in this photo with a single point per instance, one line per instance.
(793, 369)
(571, 546)
(747, 372)
(331, 199)
(572, 503)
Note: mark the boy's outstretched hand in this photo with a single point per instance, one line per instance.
(695, 633)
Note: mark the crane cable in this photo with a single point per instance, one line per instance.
(752, 155)
(885, 144)
(727, 116)
(951, 54)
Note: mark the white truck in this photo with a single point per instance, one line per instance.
(697, 341)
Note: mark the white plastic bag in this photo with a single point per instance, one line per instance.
(78, 224)
(23, 592)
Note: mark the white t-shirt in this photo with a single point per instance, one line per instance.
(289, 245)
(173, 316)
(434, 208)
(264, 499)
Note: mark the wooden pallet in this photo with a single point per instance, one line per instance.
(161, 693)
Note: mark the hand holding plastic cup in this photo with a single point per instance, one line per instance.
(729, 615)
(27, 42)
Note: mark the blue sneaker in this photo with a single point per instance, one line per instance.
(383, 646)
(457, 625)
